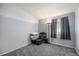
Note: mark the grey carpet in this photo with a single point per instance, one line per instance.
(43, 50)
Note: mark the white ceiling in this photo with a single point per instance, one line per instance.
(46, 10)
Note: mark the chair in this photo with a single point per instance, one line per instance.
(43, 36)
(35, 39)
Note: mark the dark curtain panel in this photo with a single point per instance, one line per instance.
(53, 28)
(65, 29)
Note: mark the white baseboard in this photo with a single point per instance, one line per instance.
(14, 49)
(62, 45)
(77, 51)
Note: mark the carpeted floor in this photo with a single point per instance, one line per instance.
(43, 50)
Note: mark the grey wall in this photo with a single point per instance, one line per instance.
(77, 28)
(42, 26)
(58, 41)
(15, 27)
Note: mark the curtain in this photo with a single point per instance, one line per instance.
(65, 29)
(53, 28)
